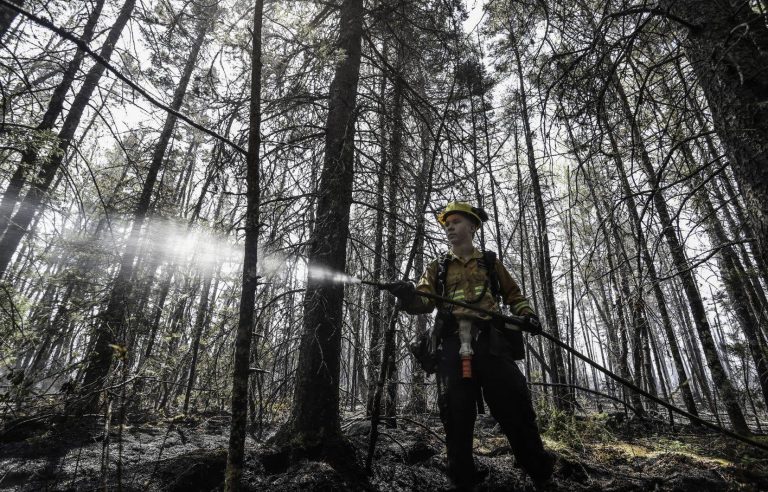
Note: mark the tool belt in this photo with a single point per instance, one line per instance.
(502, 340)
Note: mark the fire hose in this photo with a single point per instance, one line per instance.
(518, 323)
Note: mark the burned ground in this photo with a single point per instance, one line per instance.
(594, 453)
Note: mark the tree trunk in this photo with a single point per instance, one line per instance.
(358, 387)
(616, 347)
(734, 278)
(627, 302)
(7, 17)
(315, 423)
(564, 398)
(197, 332)
(392, 271)
(653, 277)
(250, 279)
(29, 156)
(417, 403)
(374, 344)
(728, 49)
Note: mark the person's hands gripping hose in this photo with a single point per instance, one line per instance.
(532, 324)
(404, 290)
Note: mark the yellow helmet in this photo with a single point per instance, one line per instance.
(477, 214)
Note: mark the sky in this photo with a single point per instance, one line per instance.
(475, 11)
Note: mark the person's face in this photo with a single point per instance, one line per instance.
(459, 229)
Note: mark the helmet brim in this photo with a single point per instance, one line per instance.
(470, 215)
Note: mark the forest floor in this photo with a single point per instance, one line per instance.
(599, 452)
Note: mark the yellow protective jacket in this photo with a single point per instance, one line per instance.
(464, 282)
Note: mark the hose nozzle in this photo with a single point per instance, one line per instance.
(465, 351)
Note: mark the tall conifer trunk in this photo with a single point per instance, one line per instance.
(564, 397)
(392, 272)
(250, 279)
(677, 250)
(727, 45)
(653, 277)
(29, 155)
(314, 425)
(734, 277)
(374, 323)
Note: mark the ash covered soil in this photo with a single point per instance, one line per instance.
(597, 453)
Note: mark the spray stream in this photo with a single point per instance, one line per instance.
(326, 275)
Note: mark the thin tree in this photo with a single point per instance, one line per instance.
(236, 452)
(30, 154)
(727, 45)
(684, 270)
(564, 397)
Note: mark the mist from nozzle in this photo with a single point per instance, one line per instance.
(327, 275)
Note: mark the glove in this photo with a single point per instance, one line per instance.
(532, 324)
(403, 290)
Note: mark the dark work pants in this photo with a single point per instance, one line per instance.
(506, 393)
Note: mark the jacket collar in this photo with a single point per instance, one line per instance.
(476, 254)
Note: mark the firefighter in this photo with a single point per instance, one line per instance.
(475, 358)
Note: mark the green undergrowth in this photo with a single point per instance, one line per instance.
(572, 431)
(609, 439)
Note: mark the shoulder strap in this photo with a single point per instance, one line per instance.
(442, 273)
(489, 263)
